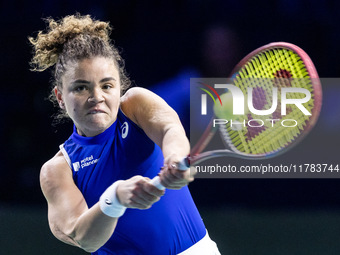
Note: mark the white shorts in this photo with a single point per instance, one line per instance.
(205, 246)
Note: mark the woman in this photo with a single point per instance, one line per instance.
(98, 185)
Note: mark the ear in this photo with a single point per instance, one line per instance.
(59, 97)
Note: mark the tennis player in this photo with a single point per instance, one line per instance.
(97, 186)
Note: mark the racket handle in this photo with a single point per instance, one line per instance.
(182, 165)
(156, 181)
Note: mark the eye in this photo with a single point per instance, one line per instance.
(80, 88)
(107, 86)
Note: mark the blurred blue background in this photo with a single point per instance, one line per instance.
(164, 43)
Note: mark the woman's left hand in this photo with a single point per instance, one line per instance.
(174, 178)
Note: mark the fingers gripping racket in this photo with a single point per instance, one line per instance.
(275, 65)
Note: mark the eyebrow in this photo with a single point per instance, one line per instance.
(87, 82)
(107, 79)
(80, 81)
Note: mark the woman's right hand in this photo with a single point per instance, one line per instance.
(137, 192)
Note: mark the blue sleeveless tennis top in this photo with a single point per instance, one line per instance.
(170, 226)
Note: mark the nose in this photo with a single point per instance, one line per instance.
(96, 96)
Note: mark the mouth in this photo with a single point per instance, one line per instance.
(95, 111)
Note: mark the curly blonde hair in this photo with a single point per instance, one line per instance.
(74, 38)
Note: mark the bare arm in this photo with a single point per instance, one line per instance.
(162, 124)
(69, 217)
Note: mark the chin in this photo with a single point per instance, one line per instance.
(95, 126)
(100, 125)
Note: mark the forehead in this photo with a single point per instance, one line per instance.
(92, 69)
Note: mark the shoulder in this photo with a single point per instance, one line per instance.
(138, 101)
(137, 93)
(53, 172)
(57, 162)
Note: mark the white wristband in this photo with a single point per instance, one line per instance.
(109, 203)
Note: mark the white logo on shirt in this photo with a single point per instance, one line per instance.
(84, 163)
(125, 129)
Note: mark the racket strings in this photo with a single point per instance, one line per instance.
(255, 134)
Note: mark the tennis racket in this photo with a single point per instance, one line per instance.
(275, 65)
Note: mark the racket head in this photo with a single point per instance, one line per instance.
(282, 65)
